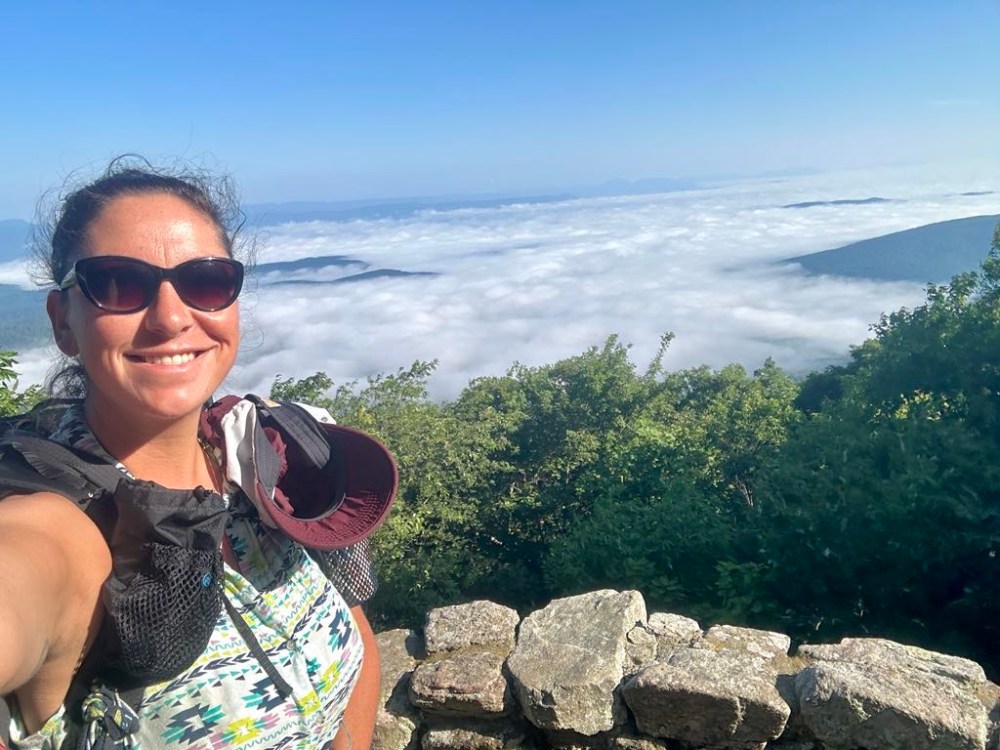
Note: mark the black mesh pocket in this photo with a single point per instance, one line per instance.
(165, 617)
(165, 594)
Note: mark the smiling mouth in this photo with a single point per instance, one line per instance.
(168, 359)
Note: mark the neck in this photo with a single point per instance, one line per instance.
(167, 453)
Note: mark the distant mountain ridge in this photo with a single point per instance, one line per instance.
(931, 253)
(311, 263)
(273, 214)
(23, 323)
(380, 273)
(840, 202)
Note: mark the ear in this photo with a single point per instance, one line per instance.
(55, 306)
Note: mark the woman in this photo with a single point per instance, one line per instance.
(145, 286)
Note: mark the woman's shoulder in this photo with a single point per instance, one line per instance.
(56, 527)
(55, 560)
(49, 539)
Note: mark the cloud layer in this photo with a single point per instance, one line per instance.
(535, 283)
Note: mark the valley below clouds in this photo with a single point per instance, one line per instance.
(482, 287)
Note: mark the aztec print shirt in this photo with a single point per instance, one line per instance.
(225, 700)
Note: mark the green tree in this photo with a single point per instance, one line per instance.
(13, 401)
(671, 494)
(882, 513)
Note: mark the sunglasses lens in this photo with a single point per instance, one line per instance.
(127, 285)
(209, 284)
(118, 285)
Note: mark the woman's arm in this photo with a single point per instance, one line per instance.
(54, 561)
(359, 719)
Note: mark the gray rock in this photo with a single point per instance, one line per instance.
(570, 658)
(397, 721)
(879, 651)
(755, 642)
(990, 697)
(672, 631)
(465, 683)
(476, 736)
(847, 706)
(637, 743)
(722, 699)
(567, 740)
(641, 647)
(395, 731)
(480, 624)
(399, 653)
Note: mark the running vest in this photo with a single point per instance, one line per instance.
(327, 487)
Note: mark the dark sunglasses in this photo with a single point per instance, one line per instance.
(120, 284)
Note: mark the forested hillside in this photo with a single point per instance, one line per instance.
(864, 499)
(933, 252)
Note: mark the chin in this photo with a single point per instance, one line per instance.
(159, 405)
(176, 405)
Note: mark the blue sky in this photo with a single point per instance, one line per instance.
(334, 101)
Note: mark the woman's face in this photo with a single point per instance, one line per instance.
(165, 361)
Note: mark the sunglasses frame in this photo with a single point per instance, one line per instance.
(77, 275)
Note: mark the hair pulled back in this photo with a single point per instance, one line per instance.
(65, 218)
(59, 240)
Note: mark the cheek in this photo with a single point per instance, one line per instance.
(233, 324)
(224, 327)
(101, 335)
(88, 334)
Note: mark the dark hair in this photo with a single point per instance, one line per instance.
(58, 243)
(59, 237)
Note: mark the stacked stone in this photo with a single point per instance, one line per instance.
(593, 672)
(460, 686)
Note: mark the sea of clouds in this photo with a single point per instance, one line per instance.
(534, 283)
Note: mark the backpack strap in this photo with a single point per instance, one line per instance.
(298, 424)
(317, 463)
(29, 463)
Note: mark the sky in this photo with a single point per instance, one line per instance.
(337, 101)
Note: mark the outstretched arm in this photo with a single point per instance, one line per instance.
(54, 561)
(359, 719)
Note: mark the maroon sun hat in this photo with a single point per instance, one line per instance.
(361, 488)
(324, 485)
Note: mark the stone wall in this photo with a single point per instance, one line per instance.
(595, 672)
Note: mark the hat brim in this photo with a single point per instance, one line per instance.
(369, 482)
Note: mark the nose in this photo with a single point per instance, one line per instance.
(168, 314)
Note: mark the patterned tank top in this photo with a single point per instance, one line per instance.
(225, 699)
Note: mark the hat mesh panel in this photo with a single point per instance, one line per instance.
(350, 570)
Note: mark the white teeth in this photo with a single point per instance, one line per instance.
(174, 359)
